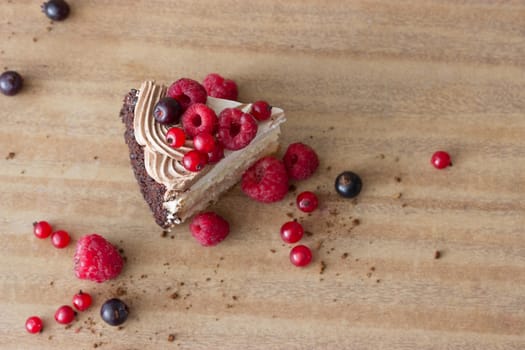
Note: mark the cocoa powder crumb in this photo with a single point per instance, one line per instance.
(292, 188)
(95, 157)
(290, 215)
(234, 297)
(174, 295)
(273, 250)
(308, 233)
(356, 222)
(378, 280)
(344, 256)
(164, 234)
(322, 267)
(171, 338)
(372, 268)
(437, 254)
(10, 155)
(397, 178)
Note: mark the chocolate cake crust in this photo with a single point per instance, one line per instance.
(152, 191)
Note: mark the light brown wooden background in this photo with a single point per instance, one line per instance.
(373, 86)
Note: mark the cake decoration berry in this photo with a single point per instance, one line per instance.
(65, 314)
(56, 10)
(175, 137)
(307, 201)
(42, 229)
(300, 255)
(204, 142)
(198, 119)
(82, 301)
(96, 259)
(167, 111)
(292, 232)
(261, 110)
(236, 128)
(217, 86)
(34, 325)
(60, 239)
(300, 161)
(265, 181)
(217, 154)
(114, 312)
(194, 160)
(11, 83)
(440, 160)
(209, 228)
(348, 184)
(187, 92)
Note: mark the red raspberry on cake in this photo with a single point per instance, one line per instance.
(198, 119)
(217, 86)
(187, 92)
(266, 181)
(209, 229)
(300, 161)
(236, 128)
(96, 259)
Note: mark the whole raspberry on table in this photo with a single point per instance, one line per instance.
(96, 259)
(236, 128)
(209, 229)
(187, 92)
(265, 181)
(300, 161)
(217, 86)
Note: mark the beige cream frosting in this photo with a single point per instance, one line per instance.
(162, 162)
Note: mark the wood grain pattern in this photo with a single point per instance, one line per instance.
(373, 86)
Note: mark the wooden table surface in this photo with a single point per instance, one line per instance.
(374, 86)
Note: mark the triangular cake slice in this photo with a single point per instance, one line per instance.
(173, 193)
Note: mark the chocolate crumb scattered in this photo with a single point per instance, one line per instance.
(208, 279)
(95, 157)
(333, 212)
(50, 29)
(229, 306)
(396, 159)
(290, 215)
(378, 280)
(51, 283)
(234, 297)
(143, 276)
(397, 178)
(120, 328)
(10, 155)
(381, 156)
(344, 256)
(356, 222)
(372, 268)
(292, 188)
(437, 254)
(68, 326)
(273, 250)
(35, 39)
(328, 168)
(322, 267)
(121, 291)
(308, 233)
(164, 234)
(171, 338)
(403, 205)
(181, 283)
(172, 237)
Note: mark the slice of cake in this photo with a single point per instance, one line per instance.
(173, 192)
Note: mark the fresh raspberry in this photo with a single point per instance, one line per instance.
(217, 86)
(96, 259)
(217, 153)
(197, 119)
(209, 229)
(266, 181)
(236, 128)
(300, 161)
(187, 92)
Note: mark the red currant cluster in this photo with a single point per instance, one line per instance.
(64, 314)
(60, 239)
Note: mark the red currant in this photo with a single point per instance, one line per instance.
(34, 324)
(261, 110)
(307, 201)
(440, 160)
(300, 255)
(292, 232)
(82, 301)
(42, 229)
(204, 142)
(194, 160)
(65, 314)
(217, 153)
(60, 239)
(175, 137)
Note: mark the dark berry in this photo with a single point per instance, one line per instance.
(217, 153)
(167, 111)
(265, 181)
(175, 137)
(261, 110)
(194, 160)
(60, 239)
(114, 312)
(300, 255)
(187, 92)
(217, 86)
(348, 184)
(57, 10)
(82, 301)
(300, 161)
(34, 324)
(65, 314)
(307, 201)
(10, 83)
(236, 128)
(204, 142)
(440, 160)
(209, 229)
(198, 119)
(292, 232)
(42, 229)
